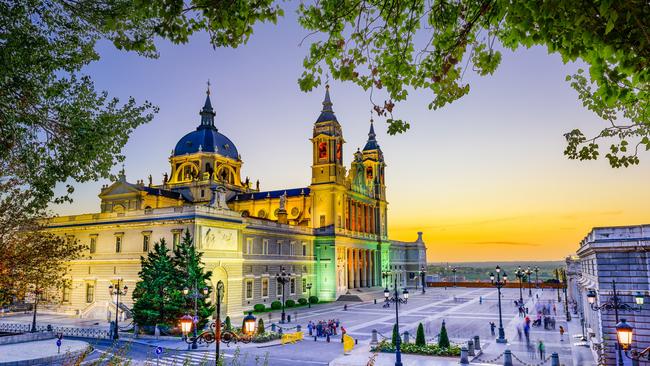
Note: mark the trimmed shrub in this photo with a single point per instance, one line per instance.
(419, 338)
(395, 335)
(228, 325)
(443, 340)
(260, 326)
(302, 301)
(276, 305)
(290, 303)
(313, 299)
(259, 308)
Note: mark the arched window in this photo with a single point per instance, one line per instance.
(186, 172)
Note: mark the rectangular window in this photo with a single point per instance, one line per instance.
(145, 242)
(278, 289)
(118, 244)
(249, 245)
(279, 247)
(292, 286)
(90, 293)
(304, 249)
(93, 244)
(304, 284)
(65, 297)
(249, 289)
(292, 246)
(265, 246)
(265, 287)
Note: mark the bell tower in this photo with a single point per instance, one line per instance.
(327, 146)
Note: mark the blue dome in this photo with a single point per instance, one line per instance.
(208, 140)
(206, 137)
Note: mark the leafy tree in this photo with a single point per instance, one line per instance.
(400, 45)
(189, 268)
(31, 259)
(157, 298)
(395, 336)
(443, 338)
(419, 337)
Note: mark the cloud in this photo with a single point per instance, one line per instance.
(470, 223)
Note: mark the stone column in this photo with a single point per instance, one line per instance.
(369, 269)
(350, 269)
(357, 269)
(363, 266)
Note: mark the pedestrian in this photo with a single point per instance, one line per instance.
(492, 326)
(480, 299)
(345, 307)
(561, 333)
(554, 310)
(542, 350)
(310, 327)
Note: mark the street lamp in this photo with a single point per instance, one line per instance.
(397, 300)
(215, 334)
(564, 289)
(117, 292)
(530, 286)
(624, 333)
(37, 294)
(519, 273)
(309, 299)
(499, 283)
(422, 275)
(195, 295)
(615, 303)
(454, 271)
(536, 277)
(283, 278)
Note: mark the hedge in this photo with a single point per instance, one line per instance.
(275, 305)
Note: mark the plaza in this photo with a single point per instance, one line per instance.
(467, 312)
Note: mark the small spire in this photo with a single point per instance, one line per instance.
(207, 113)
(327, 102)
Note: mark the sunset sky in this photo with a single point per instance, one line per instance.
(484, 178)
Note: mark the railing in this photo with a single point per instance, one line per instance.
(66, 331)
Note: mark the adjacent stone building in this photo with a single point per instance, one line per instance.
(332, 233)
(609, 254)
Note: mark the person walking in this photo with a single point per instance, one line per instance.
(561, 333)
(492, 326)
(542, 350)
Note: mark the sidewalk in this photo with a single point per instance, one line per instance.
(40, 351)
(361, 354)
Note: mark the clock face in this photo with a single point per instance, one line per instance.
(295, 211)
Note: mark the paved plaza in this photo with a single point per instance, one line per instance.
(467, 312)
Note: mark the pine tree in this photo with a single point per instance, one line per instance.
(396, 335)
(419, 338)
(260, 326)
(157, 296)
(443, 339)
(191, 271)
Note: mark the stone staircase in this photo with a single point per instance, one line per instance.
(363, 294)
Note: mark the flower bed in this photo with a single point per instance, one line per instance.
(412, 348)
(266, 337)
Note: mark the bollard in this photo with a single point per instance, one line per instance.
(373, 340)
(463, 356)
(328, 338)
(280, 330)
(272, 327)
(288, 318)
(555, 359)
(406, 337)
(298, 328)
(507, 358)
(477, 343)
(356, 341)
(315, 338)
(470, 348)
(375, 301)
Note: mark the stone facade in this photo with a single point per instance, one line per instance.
(331, 234)
(609, 254)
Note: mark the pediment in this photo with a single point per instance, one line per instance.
(120, 189)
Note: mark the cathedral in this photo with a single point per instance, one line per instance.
(330, 235)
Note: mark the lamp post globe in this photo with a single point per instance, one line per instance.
(249, 324)
(624, 333)
(639, 298)
(186, 324)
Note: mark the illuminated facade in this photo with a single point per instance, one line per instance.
(332, 233)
